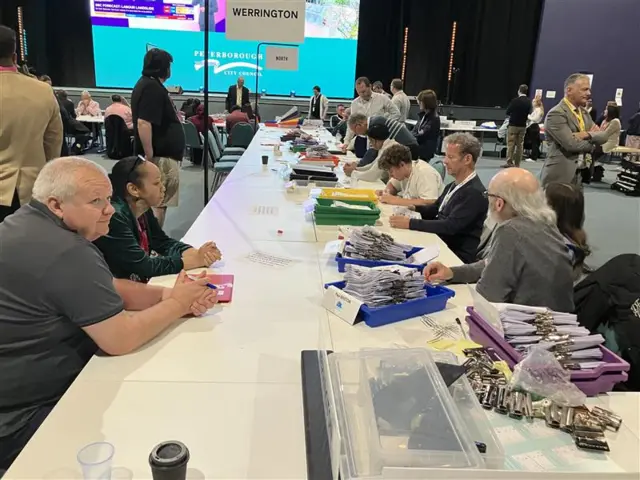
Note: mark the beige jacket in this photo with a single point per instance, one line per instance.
(30, 133)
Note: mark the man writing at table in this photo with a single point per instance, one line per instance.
(238, 95)
(570, 132)
(413, 182)
(459, 213)
(59, 304)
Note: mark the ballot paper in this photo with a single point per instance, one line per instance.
(350, 206)
(406, 212)
(269, 260)
(424, 256)
(387, 285)
(368, 243)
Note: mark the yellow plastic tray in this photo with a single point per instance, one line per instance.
(362, 195)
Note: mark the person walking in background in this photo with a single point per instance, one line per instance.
(158, 131)
(31, 130)
(88, 106)
(121, 108)
(400, 99)
(570, 132)
(518, 112)
(633, 131)
(318, 105)
(532, 136)
(238, 95)
(427, 130)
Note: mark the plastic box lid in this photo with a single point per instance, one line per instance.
(396, 417)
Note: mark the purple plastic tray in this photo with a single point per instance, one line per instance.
(591, 382)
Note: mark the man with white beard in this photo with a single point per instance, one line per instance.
(528, 262)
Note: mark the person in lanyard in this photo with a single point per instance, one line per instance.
(570, 133)
(458, 215)
(136, 247)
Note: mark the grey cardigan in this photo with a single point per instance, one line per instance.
(528, 264)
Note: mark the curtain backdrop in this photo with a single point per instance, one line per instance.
(495, 47)
(380, 40)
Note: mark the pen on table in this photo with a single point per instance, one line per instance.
(464, 334)
(210, 285)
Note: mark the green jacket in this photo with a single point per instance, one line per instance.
(122, 251)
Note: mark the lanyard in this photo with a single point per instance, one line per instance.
(579, 117)
(144, 237)
(448, 196)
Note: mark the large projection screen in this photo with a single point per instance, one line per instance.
(122, 29)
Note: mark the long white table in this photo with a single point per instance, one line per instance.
(228, 385)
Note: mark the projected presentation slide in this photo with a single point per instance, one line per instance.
(123, 29)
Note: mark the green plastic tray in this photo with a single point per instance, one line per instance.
(323, 207)
(351, 220)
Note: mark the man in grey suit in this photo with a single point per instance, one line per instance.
(570, 132)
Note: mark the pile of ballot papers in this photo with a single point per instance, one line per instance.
(573, 345)
(380, 286)
(318, 151)
(367, 243)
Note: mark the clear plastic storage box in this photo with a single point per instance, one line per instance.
(396, 417)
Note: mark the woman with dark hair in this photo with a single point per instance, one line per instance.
(567, 200)
(427, 130)
(612, 127)
(136, 247)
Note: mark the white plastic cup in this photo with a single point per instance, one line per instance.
(95, 460)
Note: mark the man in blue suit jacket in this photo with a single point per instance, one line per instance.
(458, 215)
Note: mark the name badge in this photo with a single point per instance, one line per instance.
(341, 304)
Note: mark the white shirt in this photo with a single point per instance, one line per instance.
(239, 96)
(537, 115)
(424, 183)
(373, 172)
(403, 104)
(378, 104)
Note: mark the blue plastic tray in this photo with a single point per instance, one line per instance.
(343, 261)
(435, 301)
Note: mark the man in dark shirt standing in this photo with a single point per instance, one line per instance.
(518, 112)
(159, 136)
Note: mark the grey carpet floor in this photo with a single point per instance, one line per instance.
(612, 220)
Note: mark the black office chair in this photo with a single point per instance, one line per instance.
(119, 139)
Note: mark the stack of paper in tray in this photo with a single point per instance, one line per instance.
(526, 327)
(367, 243)
(380, 286)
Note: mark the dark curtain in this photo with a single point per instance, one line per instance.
(70, 43)
(495, 47)
(428, 46)
(380, 40)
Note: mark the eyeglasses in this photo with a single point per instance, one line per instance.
(139, 161)
(486, 194)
